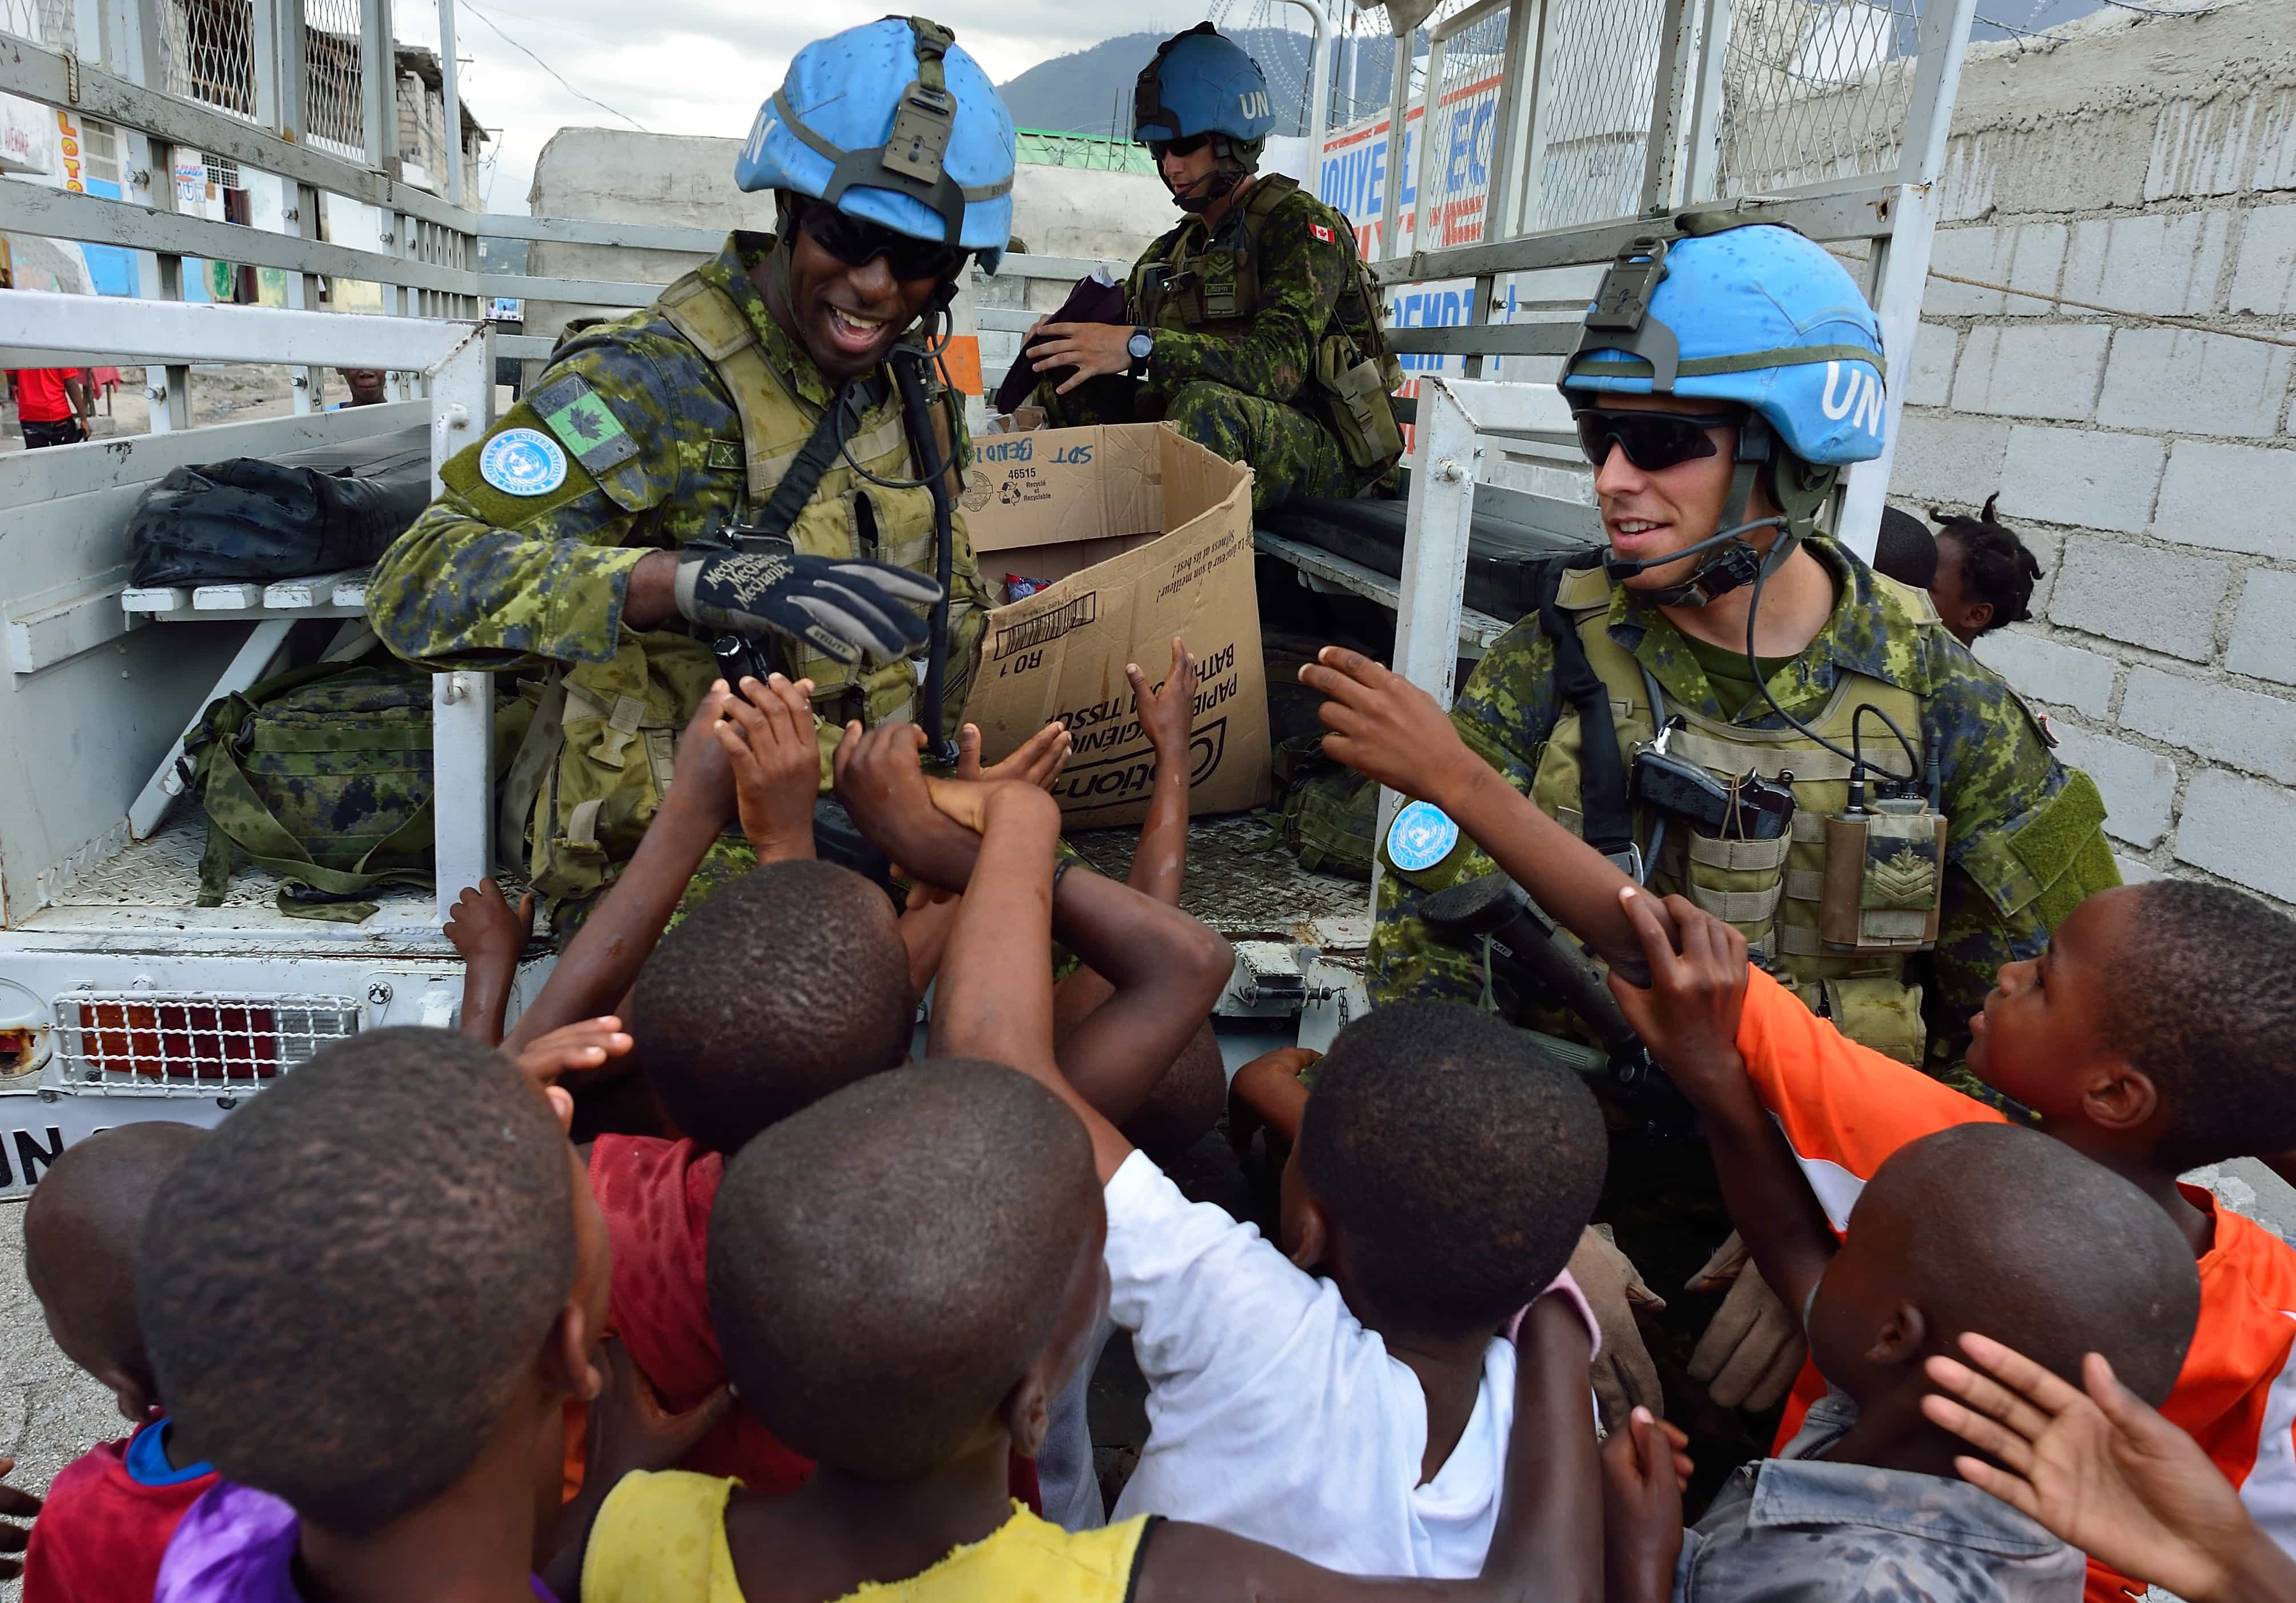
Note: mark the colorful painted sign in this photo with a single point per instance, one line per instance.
(1351, 178)
(68, 142)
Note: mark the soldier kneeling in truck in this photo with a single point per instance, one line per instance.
(1254, 326)
(757, 472)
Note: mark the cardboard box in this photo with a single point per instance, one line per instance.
(1145, 536)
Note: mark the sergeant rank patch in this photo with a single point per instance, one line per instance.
(1421, 836)
(522, 461)
(584, 423)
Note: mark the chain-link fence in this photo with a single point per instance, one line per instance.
(1450, 174)
(1813, 91)
(1590, 133)
(334, 88)
(207, 52)
(50, 22)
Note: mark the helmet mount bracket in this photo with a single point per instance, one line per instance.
(926, 114)
(1621, 319)
(911, 160)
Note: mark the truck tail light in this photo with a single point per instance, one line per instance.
(162, 1044)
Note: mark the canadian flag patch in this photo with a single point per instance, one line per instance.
(1320, 232)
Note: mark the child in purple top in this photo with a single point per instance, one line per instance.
(237, 1545)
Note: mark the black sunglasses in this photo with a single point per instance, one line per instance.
(856, 242)
(1652, 440)
(1158, 149)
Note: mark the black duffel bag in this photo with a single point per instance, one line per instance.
(253, 519)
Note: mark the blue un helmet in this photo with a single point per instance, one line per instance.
(1754, 314)
(891, 122)
(1202, 85)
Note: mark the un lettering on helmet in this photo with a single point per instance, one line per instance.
(1861, 399)
(753, 149)
(1804, 350)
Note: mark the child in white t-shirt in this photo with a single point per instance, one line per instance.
(1359, 1415)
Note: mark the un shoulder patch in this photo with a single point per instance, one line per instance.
(522, 461)
(1421, 836)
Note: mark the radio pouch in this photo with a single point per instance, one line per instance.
(1884, 878)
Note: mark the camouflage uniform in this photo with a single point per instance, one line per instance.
(2024, 846)
(488, 580)
(1241, 385)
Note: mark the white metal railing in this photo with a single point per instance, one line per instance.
(1592, 116)
(455, 360)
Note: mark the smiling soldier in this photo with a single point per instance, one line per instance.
(783, 390)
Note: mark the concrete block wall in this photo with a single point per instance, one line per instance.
(2147, 165)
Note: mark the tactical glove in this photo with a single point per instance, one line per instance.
(847, 610)
(1624, 1375)
(1753, 1349)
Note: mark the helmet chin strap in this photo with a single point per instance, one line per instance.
(1204, 192)
(1731, 560)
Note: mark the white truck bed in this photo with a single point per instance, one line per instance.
(150, 888)
(1248, 888)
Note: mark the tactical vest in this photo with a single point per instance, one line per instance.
(1210, 284)
(621, 718)
(1769, 890)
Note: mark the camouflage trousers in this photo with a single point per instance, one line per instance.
(1290, 453)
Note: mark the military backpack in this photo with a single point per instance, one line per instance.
(322, 775)
(1329, 817)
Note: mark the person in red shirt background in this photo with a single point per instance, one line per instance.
(52, 404)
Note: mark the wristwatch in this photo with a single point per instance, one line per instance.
(1138, 346)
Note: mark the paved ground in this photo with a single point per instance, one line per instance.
(50, 1413)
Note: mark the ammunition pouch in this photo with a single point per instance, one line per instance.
(1775, 874)
(1879, 1011)
(1362, 414)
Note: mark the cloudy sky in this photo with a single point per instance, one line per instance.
(702, 66)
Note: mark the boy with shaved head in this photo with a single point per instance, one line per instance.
(368, 1306)
(1862, 1506)
(111, 1511)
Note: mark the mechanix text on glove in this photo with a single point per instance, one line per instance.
(843, 610)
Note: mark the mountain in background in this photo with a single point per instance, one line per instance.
(1090, 91)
